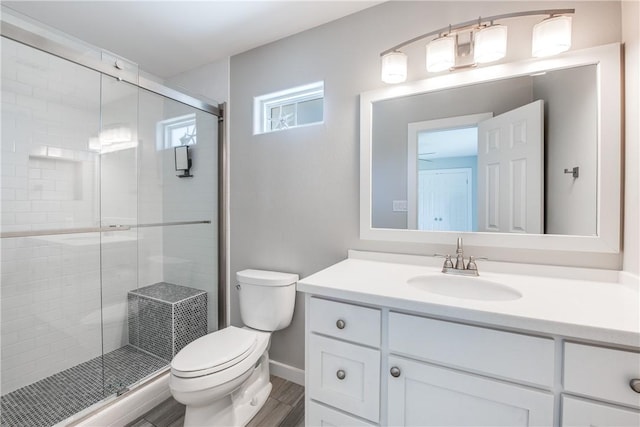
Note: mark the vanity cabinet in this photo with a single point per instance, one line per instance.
(452, 393)
(372, 365)
(580, 412)
(505, 355)
(426, 395)
(347, 322)
(343, 360)
(322, 415)
(601, 378)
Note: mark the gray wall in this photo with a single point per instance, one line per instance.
(294, 194)
(211, 81)
(571, 104)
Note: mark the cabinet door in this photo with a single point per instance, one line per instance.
(583, 413)
(426, 395)
(345, 376)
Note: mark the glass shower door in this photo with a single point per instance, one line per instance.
(118, 144)
(50, 277)
(159, 264)
(109, 255)
(177, 231)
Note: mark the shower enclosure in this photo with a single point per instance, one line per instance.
(109, 260)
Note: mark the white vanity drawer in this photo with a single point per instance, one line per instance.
(579, 413)
(601, 372)
(343, 375)
(320, 415)
(509, 355)
(345, 321)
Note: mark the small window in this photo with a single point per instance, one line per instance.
(295, 107)
(176, 131)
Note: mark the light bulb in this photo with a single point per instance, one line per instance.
(551, 36)
(394, 67)
(441, 54)
(490, 44)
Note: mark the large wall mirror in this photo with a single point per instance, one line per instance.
(520, 155)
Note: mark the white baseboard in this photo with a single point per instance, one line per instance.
(131, 405)
(289, 373)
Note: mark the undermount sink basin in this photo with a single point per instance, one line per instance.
(464, 287)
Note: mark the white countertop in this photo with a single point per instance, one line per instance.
(576, 303)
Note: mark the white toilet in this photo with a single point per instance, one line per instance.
(223, 377)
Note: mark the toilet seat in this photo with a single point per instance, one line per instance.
(214, 352)
(196, 384)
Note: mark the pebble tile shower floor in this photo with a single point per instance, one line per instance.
(55, 398)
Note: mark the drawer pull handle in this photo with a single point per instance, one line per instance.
(341, 374)
(395, 372)
(340, 324)
(635, 385)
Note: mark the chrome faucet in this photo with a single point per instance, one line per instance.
(459, 255)
(460, 268)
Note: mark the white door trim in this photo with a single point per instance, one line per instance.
(412, 154)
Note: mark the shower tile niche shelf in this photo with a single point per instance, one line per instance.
(164, 317)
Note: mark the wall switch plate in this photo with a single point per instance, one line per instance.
(399, 205)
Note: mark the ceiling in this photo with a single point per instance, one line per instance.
(167, 38)
(437, 144)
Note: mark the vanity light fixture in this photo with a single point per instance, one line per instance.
(482, 42)
(394, 67)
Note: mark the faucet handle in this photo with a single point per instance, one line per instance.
(447, 260)
(472, 262)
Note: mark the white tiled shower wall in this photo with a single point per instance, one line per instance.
(52, 286)
(51, 283)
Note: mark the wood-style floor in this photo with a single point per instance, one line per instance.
(284, 408)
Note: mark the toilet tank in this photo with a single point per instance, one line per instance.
(266, 298)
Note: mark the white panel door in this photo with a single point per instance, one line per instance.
(426, 395)
(444, 200)
(584, 413)
(510, 165)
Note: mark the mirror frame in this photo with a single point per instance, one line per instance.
(607, 58)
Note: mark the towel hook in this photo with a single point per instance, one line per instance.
(575, 172)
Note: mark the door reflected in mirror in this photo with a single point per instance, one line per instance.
(444, 155)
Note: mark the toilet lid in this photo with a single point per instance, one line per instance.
(214, 352)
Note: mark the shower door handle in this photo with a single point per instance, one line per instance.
(104, 229)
